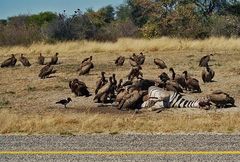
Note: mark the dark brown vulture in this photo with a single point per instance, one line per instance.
(103, 93)
(79, 88)
(46, 71)
(173, 86)
(160, 63)
(101, 82)
(119, 85)
(164, 77)
(41, 59)
(24, 61)
(221, 99)
(10, 62)
(135, 72)
(207, 74)
(87, 59)
(192, 83)
(141, 59)
(180, 79)
(120, 61)
(134, 57)
(204, 60)
(54, 59)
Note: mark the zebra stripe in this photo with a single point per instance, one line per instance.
(168, 99)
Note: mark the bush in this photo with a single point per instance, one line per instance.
(135, 18)
(227, 26)
(70, 28)
(17, 31)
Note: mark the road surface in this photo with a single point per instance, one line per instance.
(132, 147)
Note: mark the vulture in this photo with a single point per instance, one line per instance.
(134, 57)
(192, 83)
(207, 74)
(141, 59)
(144, 84)
(127, 83)
(54, 59)
(114, 86)
(9, 62)
(164, 77)
(119, 85)
(178, 78)
(87, 59)
(24, 61)
(173, 86)
(204, 60)
(64, 102)
(114, 79)
(120, 61)
(82, 65)
(79, 88)
(132, 62)
(46, 71)
(135, 72)
(103, 93)
(132, 100)
(160, 63)
(101, 82)
(169, 85)
(121, 93)
(41, 59)
(221, 99)
(86, 68)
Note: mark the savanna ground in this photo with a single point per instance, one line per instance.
(27, 103)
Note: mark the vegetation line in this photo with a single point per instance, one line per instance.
(195, 19)
(212, 44)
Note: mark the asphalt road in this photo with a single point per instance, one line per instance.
(129, 143)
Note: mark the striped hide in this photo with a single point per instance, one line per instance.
(160, 98)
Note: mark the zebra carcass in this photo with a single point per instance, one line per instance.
(159, 99)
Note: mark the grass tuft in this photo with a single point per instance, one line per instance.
(4, 102)
(31, 88)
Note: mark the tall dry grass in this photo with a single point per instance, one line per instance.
(168, 122)
(130, 45)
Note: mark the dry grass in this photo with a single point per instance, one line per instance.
(27, 103)
(171, 121)
(132, 45)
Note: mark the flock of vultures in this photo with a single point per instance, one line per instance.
(132, 91)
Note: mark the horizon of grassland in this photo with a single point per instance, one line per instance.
(212, 44)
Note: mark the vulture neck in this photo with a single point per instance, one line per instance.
(173, 74)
